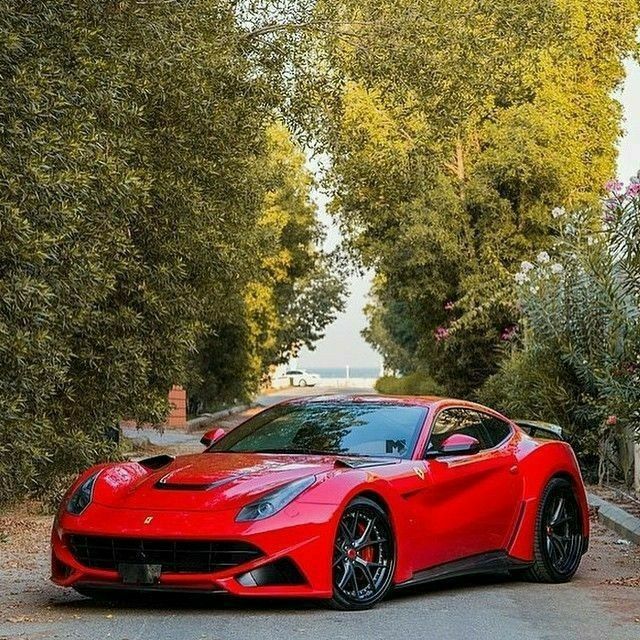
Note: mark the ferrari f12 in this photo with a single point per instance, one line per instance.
(338, 498)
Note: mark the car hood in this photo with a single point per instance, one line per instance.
(204, 481)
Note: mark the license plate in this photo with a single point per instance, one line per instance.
(140, 573)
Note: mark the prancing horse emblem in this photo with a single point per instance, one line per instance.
(148, 519)
(419, 472)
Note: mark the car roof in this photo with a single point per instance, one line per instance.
(432, 402)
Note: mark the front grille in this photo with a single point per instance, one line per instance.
(175, 556)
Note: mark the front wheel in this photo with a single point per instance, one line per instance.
(363, 556)
(302, 383)
(559, 539)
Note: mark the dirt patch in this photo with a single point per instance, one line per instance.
(24, 535)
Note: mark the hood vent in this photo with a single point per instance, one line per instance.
(164, 483)
(156, 462)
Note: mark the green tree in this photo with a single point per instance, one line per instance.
(132, 137)
(454, 132)
(294, 295)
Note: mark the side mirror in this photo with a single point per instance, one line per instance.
(212, 436)
(457, 444)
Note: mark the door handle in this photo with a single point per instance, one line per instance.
(513, 469)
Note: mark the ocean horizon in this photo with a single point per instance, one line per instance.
(341, 372)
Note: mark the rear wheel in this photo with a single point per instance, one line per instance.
(558, 539)
(363, 556)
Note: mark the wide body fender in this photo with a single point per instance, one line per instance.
(538, 464)
(368, 484)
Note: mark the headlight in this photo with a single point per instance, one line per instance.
(274, 501)
(81, 497)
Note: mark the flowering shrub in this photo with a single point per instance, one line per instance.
(581, 316)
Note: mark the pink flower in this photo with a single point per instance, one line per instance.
(448, 306)
(633, 189)
(614, 186)
(611, 421)
(441, 333)
(509, 333)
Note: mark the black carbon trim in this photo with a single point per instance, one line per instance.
(493, 561)
(362, 463)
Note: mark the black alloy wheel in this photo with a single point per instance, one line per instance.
(363, 556)
(559, 539)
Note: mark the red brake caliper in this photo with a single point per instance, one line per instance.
(366, 553)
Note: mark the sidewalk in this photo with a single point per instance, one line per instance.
(184, 440)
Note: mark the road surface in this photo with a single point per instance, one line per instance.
(292, 392)
(601, 603)
(487, 608)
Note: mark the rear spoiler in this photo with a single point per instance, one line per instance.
(542, 430)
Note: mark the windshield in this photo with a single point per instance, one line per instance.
(341, 428)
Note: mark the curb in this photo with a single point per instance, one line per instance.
(206, 419)
(615, 518)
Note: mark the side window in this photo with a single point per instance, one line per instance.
(459, 421)
(497, 430)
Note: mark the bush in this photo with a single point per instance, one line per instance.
(538, 385)
(412, 384)
(580, 355)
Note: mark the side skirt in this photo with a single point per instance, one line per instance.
(491, 562)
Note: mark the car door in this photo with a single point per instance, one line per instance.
(469, 503)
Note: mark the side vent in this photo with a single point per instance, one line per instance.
(156, 462)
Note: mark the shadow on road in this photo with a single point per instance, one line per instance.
(194, 602)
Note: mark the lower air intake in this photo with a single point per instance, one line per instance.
(175, 556)
(279, 573)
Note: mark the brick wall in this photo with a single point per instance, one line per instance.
(178, 402)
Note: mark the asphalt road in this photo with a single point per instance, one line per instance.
(492, 608)
(600, 603)
(292, 392)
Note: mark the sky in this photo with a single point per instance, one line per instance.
(343, 345)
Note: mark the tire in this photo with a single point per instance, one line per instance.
(558, 536)
(302, 383)
(364, 556)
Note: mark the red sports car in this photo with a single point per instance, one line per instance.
(341, 498)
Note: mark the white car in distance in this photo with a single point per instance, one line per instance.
(301, 378)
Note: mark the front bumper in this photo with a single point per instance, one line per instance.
(301, 534)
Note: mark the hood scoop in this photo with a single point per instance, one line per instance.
(156, 462)
(362, 463)
(166, 483)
